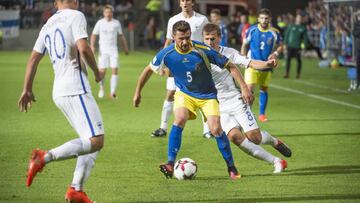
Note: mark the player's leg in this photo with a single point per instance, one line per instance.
(210, 108)
(84, 116)
(167, 108)
(206, 129)
(114, 64)
(184, 109)
(288, 62)
(104, 62)
(299, 63)
(264, 80)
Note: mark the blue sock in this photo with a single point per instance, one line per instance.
(224, 147)
(174, 143)
(263, 99)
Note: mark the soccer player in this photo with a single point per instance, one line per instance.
(64, 38)
(262, 42)
(197, 22)
(189, 62)
(109, 30)
(235, 114)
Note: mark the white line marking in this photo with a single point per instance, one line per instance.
(321, 86)
(315, 96)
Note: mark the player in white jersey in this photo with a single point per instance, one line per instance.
(197, 22)
(64, 38)
(109, 30)
(235, 114)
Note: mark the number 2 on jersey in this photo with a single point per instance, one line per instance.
(56, 44)
(262, 45)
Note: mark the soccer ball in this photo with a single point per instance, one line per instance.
(185, 169)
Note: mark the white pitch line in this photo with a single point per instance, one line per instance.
(321, 86)
(315, 96)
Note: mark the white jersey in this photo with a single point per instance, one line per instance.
(108, 32)
(223, 80)
(196, 21)
(58, 37)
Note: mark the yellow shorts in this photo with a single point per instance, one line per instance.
(253, 76)
(209, 107)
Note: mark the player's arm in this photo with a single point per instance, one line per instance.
(250, 63)
(246, 93)
(244, 48)
(143, 78)
(124, 44)
(277, 51)
(92, 42)
(88, 56)
(27, 96)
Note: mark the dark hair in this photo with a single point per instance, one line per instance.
(215, 11)
(265, 11)
(210, 27)
(181, 26)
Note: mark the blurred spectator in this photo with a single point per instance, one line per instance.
(356, 33)
(252, 17)
(242, 28)
(313, 32)
(215, 17)
(150, 33)
(232, 29)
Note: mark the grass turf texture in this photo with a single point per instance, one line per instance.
(324, 137)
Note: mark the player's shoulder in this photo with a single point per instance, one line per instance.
(253, 28)
(116, 21)
(176, 17)
(200, 45)
(227, 50)
(199, 15)
(165, 51)
(274, 29)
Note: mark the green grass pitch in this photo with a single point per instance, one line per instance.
(314, 116)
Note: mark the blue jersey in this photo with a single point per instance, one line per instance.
(191, 69)
(262, 42)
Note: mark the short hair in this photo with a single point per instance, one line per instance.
(215, 11)
(193, 1)
(210, 27)
(181, 26)
(265, 11)
(108, 6)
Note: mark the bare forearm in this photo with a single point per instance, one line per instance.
(31, 68)
(143, 78)
(124, 43)
(244, 49)
(92, 41)
(258, 64)
(237, 75)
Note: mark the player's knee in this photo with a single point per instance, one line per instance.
(254, 137)
(235, 137)
(97, 143)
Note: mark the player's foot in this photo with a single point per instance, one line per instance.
(36, 164)
(262, 118)
(233, 173)
(113, 96)
(159, 133)
(167, 170)
(101, 93)
(283, 148)
(298, 76)
(74, 196)
(208, 135)
(280, 166)
(286, 76)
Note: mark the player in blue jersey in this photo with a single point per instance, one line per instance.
(189, 63)
(262, 42)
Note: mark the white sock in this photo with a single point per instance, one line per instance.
(71, 149)
(206, 128)
(83, 168)
(113, 83)
(166, 113)
(256, 151)
(266, 138)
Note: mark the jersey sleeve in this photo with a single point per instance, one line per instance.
(238, 59)
(119, 29)
(248, 36)
(79, 27)
(40, 43)
(217, 58)
(169, 30)
(157, 64)
(96, 29)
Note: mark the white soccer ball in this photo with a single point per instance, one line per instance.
(185, 169)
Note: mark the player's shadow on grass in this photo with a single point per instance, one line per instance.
(319, 134)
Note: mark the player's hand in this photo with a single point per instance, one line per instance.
(99, 76)
(137, 100)
(25, 101)
(126, 52)
(247, 96)
(273, 56)
(272, 63)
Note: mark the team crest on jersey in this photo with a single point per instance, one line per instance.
(197, 66)
(185, 60)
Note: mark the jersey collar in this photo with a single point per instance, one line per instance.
(180, 52)
(262, 29)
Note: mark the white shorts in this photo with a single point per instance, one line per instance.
(170, 84)
(109, 60)
(234, 113)
(83, 114)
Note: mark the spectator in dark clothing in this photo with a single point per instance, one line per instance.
(313, 33)
(356, 34)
